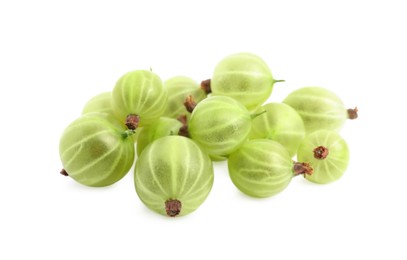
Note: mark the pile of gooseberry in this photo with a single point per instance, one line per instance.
(172, 132)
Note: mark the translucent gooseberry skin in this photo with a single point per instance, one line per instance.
(244, 77)
(219, 125)
(280, 123)
(96, 152)
(102, 103)
(162, 127)
(261, 168)
(141, 93)
(173, 168)
(319, 108)
(178, 89)
(336, 162)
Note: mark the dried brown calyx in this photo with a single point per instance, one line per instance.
(302, 168)
(321, 152)
(353, 113)
(190, 103)
(183, 130)
(173, 207)
(206, 86)
(63, 172)
(132, 121)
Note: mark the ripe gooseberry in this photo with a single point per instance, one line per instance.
(173, 176)
(139, 98)
(244, 77)
(319, 108)
(280, 123)
(327, 152)
(96, 152)
(219, 124)
(262, 168)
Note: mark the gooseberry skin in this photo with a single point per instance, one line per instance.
(319, 108)
(178, 89)
(280, 123)
(219, 125)
(336, 162)
(173, 168)
(261, 168)
(96, 152)
(244, 77)
(140, 93)
(101, 103)
(162, 127)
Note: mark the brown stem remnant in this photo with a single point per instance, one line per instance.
(302, 168)
(183, 130)
(321, 152)
(353, 113)
(63, 172)
(190, 103)
(206, 86)
(132, 121)
(173, 207)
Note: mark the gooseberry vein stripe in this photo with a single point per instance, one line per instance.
(145, 189)
(199, 174)
(100, 159)
(80, 142)
(151, 166)
(187, 168)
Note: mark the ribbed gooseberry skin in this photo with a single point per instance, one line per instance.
(280, 123)
(140, 93)
(335, 163)
(244, 77)
(178, 89)
(162, 127)
(96, 152)
(219, 125)
(319, 108)
(261, 168)
(173, 168)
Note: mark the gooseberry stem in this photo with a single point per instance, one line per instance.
(253, 116)
(353, 113)
(206, 86)
(302, 168)
(173, 207)
(132, 121)
(321, 152)
(278, 80)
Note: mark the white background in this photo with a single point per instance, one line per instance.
(55, 55)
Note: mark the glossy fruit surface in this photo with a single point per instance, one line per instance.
(173, 176)
(95, 152)
(244, 77)
(219, 125)
(162, 127)
(261, 168)
(319, 108)
(139, 93)
(178, 89)
(280, 123)
(327, 152)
